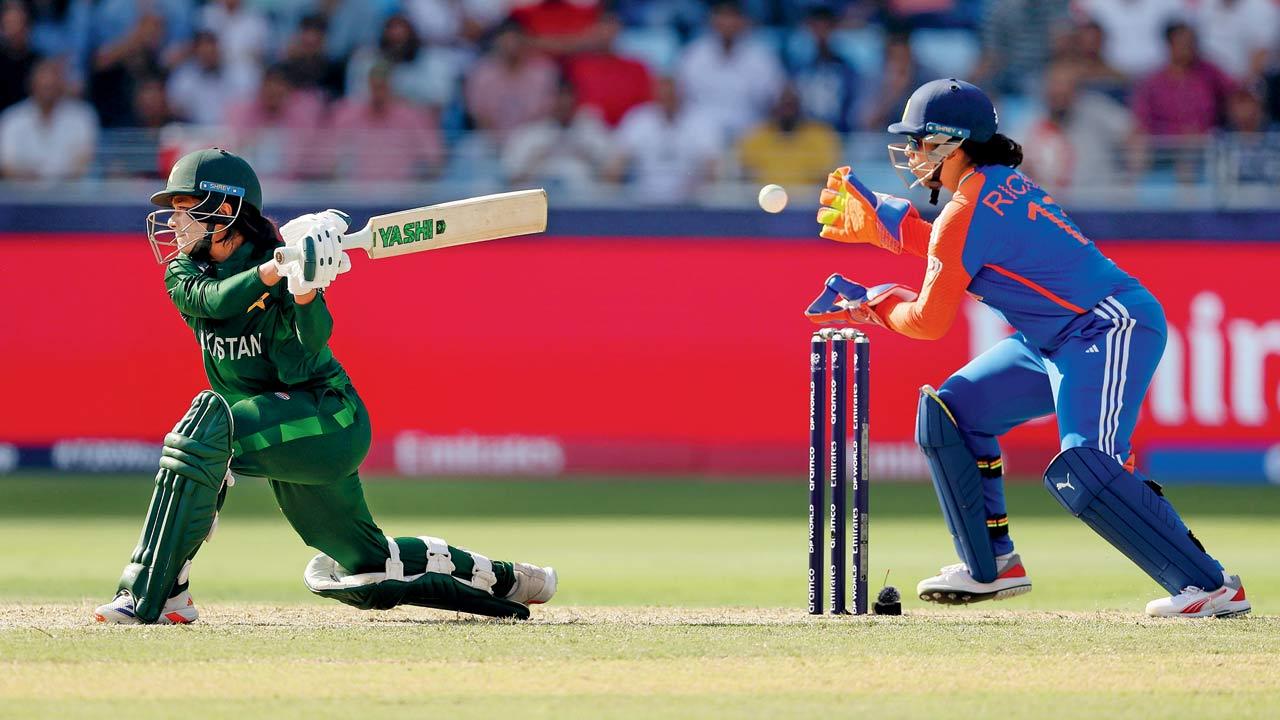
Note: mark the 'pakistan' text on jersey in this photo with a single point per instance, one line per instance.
(254, 339)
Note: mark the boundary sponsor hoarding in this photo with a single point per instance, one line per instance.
(607, 354)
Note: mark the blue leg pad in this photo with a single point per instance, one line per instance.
(1132, 516)
(958, 483)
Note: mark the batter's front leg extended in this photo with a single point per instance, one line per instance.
(184, 505)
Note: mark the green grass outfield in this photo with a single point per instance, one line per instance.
(678, 598)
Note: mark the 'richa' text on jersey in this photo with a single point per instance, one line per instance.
(241, 346)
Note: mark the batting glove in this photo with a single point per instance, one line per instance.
(313, 255)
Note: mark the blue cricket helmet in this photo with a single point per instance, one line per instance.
(950, 107)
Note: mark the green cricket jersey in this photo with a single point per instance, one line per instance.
(254, 338)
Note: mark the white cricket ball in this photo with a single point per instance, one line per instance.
(772, 198)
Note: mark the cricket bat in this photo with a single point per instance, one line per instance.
(477, 219)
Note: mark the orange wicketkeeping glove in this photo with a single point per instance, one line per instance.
(852, 213)
(843, 301)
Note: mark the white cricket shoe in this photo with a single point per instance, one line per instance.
(1225, 601)
(953, 585)
(534, 584)
(178, 610)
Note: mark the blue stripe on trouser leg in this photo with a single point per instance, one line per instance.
(1131, 516)
(958, 484)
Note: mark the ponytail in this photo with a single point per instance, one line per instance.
(256, 229)
(999, 150)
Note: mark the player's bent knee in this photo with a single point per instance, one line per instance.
(358, 559)
(189, 487)
(958, 483)
(199, 447)
(936, 425)
(437, 587)
(958, 393)
(1075, 440)
(1132, 516)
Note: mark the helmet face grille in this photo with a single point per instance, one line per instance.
(165, 240)
(922, 170)
(943, 113)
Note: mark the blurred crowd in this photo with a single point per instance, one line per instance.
(666, 95)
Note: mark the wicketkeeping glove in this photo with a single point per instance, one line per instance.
(852, 213)
(843, 301)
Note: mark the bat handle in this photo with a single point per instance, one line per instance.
(287, 255)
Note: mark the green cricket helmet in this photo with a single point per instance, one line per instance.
(211, 170)
(215, 178)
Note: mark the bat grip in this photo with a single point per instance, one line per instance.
(287, 255)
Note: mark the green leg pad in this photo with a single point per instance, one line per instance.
(193, 467)
(372, 591)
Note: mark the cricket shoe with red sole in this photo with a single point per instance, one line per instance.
(178, 610)
(1223, 602)
(953, 585)
(534, 584)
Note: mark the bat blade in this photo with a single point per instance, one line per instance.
(478, 219)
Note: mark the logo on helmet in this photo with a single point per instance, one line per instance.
(953, 131)
(222, 188)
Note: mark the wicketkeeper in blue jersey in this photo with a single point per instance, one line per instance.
(1088, 339)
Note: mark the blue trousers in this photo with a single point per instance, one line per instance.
(1094, 383)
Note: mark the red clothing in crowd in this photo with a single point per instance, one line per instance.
(610, 83)
(545, 18)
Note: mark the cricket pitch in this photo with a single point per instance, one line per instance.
(625, 662)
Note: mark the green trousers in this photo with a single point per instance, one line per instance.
(309, 444)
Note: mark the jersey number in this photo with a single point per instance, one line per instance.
(1034, 209)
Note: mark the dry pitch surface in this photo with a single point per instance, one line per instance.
(265, 648)
(322, 661)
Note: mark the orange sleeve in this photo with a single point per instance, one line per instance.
(915, 232)
(931, 315)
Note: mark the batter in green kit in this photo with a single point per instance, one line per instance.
(281, 408)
